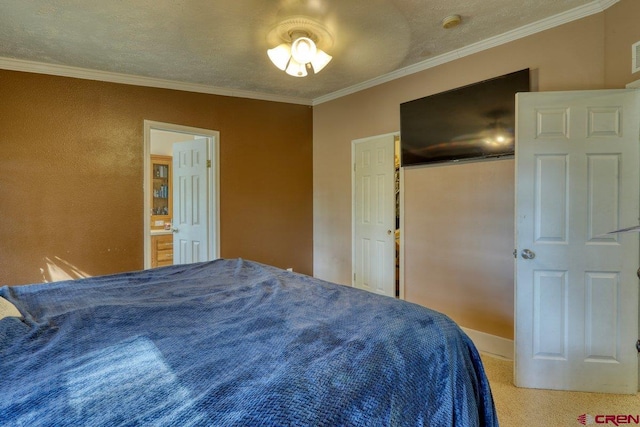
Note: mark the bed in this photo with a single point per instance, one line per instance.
(232, 343)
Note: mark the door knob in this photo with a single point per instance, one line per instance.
(389, 232)
(527, 254)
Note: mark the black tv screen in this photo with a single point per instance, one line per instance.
(469, 123)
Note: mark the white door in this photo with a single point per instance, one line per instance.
(577, 163)
(190, 220)
(374, 215)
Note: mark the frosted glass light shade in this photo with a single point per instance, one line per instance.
(320, 60)
(303, 50)
(280, 55)
(296, 69)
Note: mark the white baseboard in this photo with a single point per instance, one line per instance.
(492, 344)
(633, 85)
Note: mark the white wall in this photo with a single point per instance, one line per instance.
(162, 141)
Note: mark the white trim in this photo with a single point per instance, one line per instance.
(580, 12)
(491, 344)
(213, 154)
(129, 79)
(146, 185)
(635, 57)
(634, 85)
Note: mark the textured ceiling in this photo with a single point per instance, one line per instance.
(223, 43)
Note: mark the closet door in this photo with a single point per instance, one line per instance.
(374, 215)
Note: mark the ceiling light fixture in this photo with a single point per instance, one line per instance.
(299, 49)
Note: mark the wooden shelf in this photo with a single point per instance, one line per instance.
(161, 191)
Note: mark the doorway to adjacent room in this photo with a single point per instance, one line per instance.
(164, 230)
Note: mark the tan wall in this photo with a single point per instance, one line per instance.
(71, 168)
(623, 30)
(459, 219)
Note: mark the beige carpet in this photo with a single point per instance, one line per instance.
(521, 407)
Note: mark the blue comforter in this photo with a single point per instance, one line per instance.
(232, 343)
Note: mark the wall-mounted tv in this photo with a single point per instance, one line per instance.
(469, 123)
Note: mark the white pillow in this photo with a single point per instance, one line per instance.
(7, 309)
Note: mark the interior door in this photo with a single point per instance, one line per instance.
(577, 163)
(190, 223)
(374, 215)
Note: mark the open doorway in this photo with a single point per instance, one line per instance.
(159, 229)
(398, 202)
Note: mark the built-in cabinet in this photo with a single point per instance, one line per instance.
(161, 195)
(161, 250)
(161, 192)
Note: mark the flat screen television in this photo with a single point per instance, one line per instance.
(473, 122)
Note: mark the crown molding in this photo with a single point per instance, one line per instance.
(129, 79)
(580, 12)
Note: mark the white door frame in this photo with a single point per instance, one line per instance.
(213, 194)
(353, 211)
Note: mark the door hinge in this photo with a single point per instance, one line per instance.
(354, 279)
(208, 163)
(638, 346)
(515, 253)
(354, 167)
